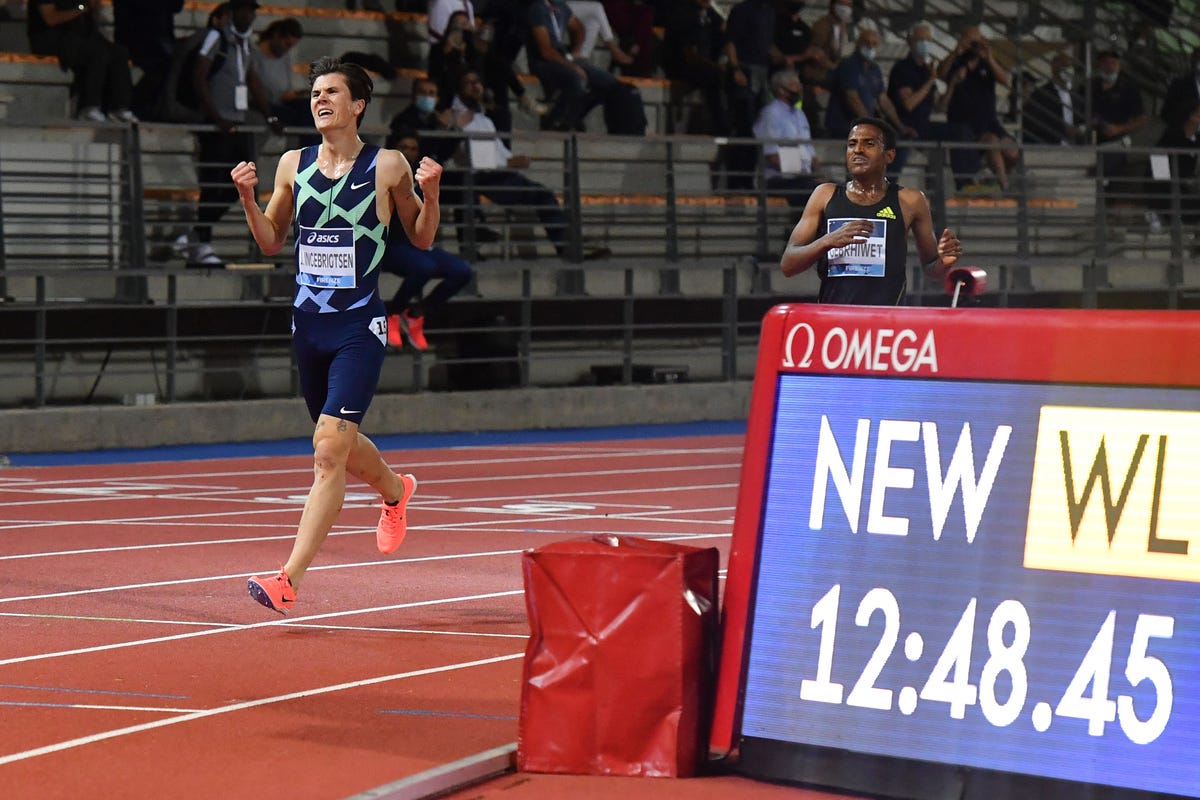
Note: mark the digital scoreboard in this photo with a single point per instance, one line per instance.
(966, 555)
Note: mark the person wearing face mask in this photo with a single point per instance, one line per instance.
(797, 50)
(916, 91)
(1054, 111)
(790, 158)
(858, 90)
(832, 37)
(1117, 112)
(226, 82)
(972, 74)
(1182, 93)
(423, 115)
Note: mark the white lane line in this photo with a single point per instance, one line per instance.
(200, 496)
(122, 620)
(208, 578)
(228, 709)
(254, 625)
(89, 707)
(160, 477)
(420, 631)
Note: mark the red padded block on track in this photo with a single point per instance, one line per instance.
(618, 670)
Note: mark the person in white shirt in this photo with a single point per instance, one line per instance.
(790, 158)
(494, 167)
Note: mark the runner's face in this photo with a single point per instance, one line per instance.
(331, 103)
(866, 154)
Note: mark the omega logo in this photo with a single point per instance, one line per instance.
(882, 350)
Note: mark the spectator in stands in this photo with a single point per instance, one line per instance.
(794, 41)
(913, 88)
(100, 68)
(867, 210)
(1182, 93)
(428, 116)
(501, 36)
(791, 160)
(339, 196)
(1054, 112)
(416, 267)
(858, 89)
(1117, 112)
(553, 37)
(597, 29)
(147, 30)
(494, 168)
(455, 54)
(273, 62)
(693, 50)
(225, 81)
(439, 17)
(1183, 135)
(633, 24)
(972, 72)
(833, 35)
(750, 52)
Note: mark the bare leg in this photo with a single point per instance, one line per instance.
(369, 467)
(333, 441)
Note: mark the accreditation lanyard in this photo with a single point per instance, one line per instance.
(241, 97)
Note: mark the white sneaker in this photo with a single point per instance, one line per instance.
(181, 244)
(531, 105)
(1154, 221)
(202, 254)
(92, 114)
(123, 115)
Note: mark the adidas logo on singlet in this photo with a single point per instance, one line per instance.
(886, 212)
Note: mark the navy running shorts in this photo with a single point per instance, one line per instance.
(339, 357)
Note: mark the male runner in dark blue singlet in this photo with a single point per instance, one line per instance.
(857, 234)
(335, 198)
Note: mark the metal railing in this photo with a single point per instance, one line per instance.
(98, 309)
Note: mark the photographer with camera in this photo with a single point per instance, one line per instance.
(972, 72)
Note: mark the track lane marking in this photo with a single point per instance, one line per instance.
(233, 707)
(253, 626)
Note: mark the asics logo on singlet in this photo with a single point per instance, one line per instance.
(322, 238)
(886, 212)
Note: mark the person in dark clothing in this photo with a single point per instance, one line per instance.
(1184, 135)
(856, 233)
(70, 31)
(693, 44)
(972, 72)
(416, 267)
(1054, 112)
(1182, 93)
(1117, 111)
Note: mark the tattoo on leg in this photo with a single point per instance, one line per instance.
(342, 426)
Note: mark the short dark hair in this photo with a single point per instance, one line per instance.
(357, 80)
(889, 133)
(288, 26)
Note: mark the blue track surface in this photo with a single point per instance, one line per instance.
(423, 441)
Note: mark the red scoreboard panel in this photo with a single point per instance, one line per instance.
(966, 554)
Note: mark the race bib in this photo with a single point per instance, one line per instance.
(326, 258)
(866, 259)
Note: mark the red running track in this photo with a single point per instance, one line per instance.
(133, 663)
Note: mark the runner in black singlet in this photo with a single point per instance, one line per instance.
(856, 234)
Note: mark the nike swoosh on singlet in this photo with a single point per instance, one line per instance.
(355, 186)
(348, 411)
